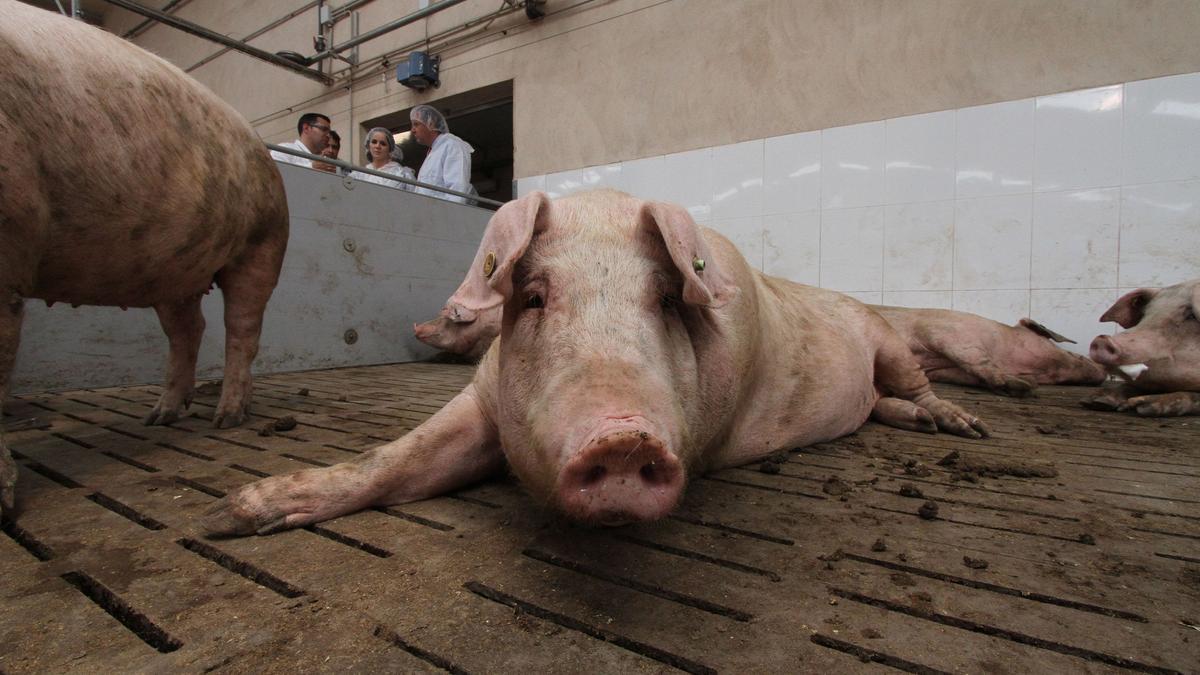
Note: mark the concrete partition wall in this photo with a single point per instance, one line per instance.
(361, 257)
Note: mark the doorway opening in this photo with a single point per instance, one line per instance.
(482, 117)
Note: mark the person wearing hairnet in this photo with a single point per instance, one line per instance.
(448, 163)
(383, 156)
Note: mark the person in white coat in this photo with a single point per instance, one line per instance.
(313, 129)
(448, 163)
(383, 155)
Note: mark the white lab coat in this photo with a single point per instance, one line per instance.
(394, 168)
(447, 165)
(292, 159)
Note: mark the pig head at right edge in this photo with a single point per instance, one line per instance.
(1158, 353)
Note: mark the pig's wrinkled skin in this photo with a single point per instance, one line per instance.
(620, 370)
(124, 182)
(1163, 333)
(964, 348)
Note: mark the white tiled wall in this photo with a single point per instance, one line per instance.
(1049, 207)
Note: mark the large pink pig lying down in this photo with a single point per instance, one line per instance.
(1158, 353)
(635, 349)
(180, 195)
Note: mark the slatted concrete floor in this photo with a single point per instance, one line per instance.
(822, 566)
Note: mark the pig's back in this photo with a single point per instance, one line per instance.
(132, 180)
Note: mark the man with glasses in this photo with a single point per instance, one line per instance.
(314, 135)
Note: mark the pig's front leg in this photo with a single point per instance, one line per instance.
(1174, 404)
(912, 402)
(457, 446)
(1109, 397)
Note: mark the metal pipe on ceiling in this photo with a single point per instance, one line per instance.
(337, 14)
(141, 27)
(385, 28)
(265, 29)
(202, 32)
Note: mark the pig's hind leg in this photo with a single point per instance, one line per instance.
(183, 322)
(246, 286)
(974, 367)
(11, 312)
(455, 447)
(906, 393)
(896, 412)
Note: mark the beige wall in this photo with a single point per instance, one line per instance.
(599, 82)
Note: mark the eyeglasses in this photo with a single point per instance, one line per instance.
(320, 127)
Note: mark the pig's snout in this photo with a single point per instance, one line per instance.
(1105, 350)
(621, 477)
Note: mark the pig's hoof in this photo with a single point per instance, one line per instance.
(228, 420)
(1017, 388)
(1106, 402)
(233, 517)
(955, 420)
(903, 414)
(159, 417)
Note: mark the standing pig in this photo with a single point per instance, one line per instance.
(635, 349)
(964, 348)
(1158, 355)
(124, 182)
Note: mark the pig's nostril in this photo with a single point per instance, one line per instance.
(594, 475)
(651, 474)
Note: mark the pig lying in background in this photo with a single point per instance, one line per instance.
(469, 334)
(964, 348)
(636, 349)
(1158, 354)
(124, 182)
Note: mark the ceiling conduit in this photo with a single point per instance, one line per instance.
(202, 32)
(382, 30)
(141, 27)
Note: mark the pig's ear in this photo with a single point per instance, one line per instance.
(1129, 309)
(489, 281)
(1043, 331)
(704, 282)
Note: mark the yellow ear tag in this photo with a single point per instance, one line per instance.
(698, 264)
(489, 264)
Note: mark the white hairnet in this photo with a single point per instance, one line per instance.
(393, 149)
(430, 117)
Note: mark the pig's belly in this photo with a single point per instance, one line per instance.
(789, 415)
(129, 283)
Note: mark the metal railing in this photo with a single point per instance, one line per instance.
(472, 199)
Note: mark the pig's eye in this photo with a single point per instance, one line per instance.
(1189, 314)
(668, 302)
(534, 301)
